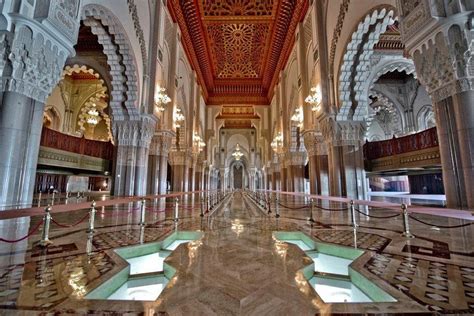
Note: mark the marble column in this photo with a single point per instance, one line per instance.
(154, 173)
(345, 158)
(21, 119)
(163, 174)
(296, 165)
(439, 38)
(33, 51)
(133, 140)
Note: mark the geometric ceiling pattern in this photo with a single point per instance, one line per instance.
(238, 47)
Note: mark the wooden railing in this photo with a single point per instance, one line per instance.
(395, 146)
(82, 146)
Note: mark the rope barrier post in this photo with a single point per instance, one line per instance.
(45, 242)
(90, 237)
(142, 213)
(52, 198)
(353, 216)
(277, 209)
(203, 201)
(91, 217)
(142, 234)
(311, 209)
(176, 210)
(406, 227)
(39, 200)
(78, 195)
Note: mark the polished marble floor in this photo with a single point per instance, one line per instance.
(236, 269)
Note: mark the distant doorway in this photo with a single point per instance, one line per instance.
(238, 175)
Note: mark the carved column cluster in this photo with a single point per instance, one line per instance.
(133, 140)
(344, 141)
(33, 49)
(295, 165)
(158, 162)
(318, 163)
(439, 36)
(180, 161)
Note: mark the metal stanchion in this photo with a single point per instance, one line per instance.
(142, 234)
(90, 237)
(46, 223)
(311, 219)
(52, 199)
(277, 209)
(353, 216)
(142, 213)
(78, 195)
(406, 227)
(203, 203)
(91, 218)
(176, 210)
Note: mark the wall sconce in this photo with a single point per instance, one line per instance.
(178, 117)
(314, 99)
(277, 143)
(298, 116)
(198, 143)
(161, 99)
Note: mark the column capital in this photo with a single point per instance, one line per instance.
(34, 49)
(314, 143)
(161, 143)
(438, 35)
(341, 133)
(296, 159)
(136, 132)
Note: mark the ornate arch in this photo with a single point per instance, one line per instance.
(111, 35)
(389, 64)
(354, 68)
(52, 114)
(387, 114)
(425, 118)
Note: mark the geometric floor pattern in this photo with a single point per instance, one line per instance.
(424, 269)
(441, 287)
(367, 241)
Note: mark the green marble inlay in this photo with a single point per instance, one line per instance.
(108, 287)
(369, 288)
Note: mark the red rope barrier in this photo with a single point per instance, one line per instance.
(70, 225)
(31, 232)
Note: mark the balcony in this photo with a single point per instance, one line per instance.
(66, 151)
(420, 150)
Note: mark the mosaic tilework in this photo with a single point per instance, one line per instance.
(51, 275)
(346, 238)
(444, 288)
(10, 282)
(116, 239)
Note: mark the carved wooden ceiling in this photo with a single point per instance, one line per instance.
(237, 116)
(238, 47)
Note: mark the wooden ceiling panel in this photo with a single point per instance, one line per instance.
(238, 47)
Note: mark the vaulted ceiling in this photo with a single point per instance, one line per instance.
(238, 47)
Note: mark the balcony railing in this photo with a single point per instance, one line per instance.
(82, 146)
(396, 146)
